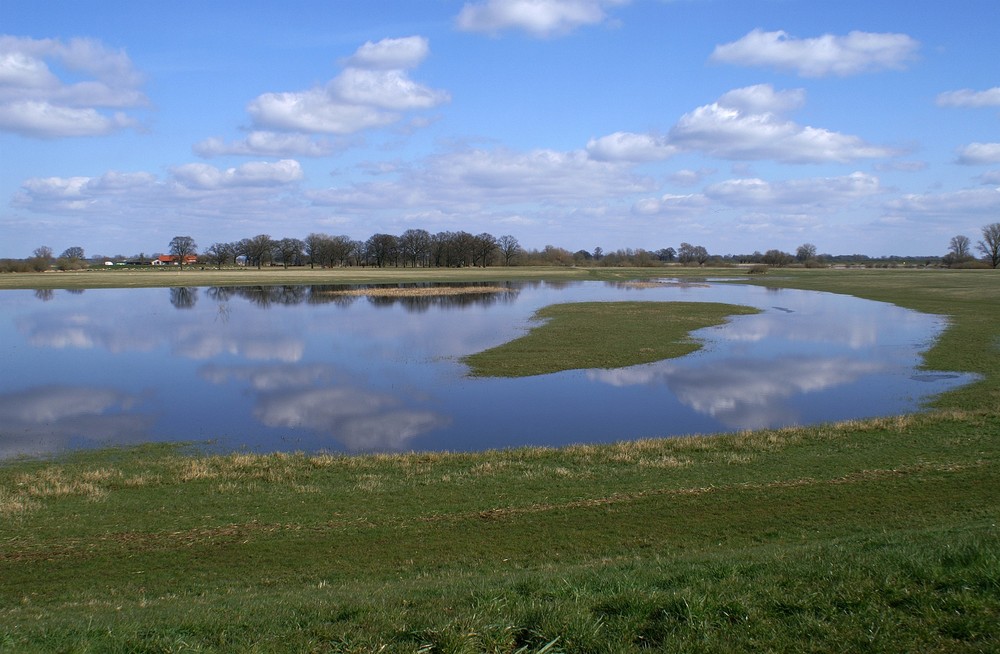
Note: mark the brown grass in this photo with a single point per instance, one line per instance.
(435, 291)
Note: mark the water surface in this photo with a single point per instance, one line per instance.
(297, 368)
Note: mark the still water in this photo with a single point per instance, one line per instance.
(298, 368)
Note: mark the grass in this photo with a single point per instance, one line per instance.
(602, 335)
(877, 535)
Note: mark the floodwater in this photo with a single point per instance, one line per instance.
(300, 369)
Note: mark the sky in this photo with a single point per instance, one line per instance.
(860, 127)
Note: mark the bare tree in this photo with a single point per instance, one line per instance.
(75, 252)
(220, 253)
(959, 249)
(415, 247)
(990, 245)
(509, 248)
(257, 249)
(316, 246)
(805, 252)
(483, 247)
(181, 247)
(289, 251)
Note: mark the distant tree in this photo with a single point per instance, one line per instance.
(990, 245)
(805, 252)
(959, 250)
(220, 253)
(777, 258)
(382, 249)
(692, 254)
(257, 250)
(316, 246)
(288, 251)
(182, 246)
(666, 254)
(598, 253)
(509, 248)
(73, 253)
(415, 247)
(484, 246)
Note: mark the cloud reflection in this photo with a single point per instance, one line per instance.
(44, 419)
(361, 420)
(744, 393)
(301, 397)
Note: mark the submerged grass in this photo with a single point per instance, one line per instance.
(871, 535)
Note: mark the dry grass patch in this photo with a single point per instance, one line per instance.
(406, 291)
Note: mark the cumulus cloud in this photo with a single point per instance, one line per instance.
(972, 202)
(35, 102)
(746, 124)
(978, 154)
(253, 189)
(468, 179)
(818, 191)
(797, 195)
(628, 146)
(970, 98)
(858, 52)
(254, 173)
(540, 18)
(268, 144)
(390, 54)
(373, 90)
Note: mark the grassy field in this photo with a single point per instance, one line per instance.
(877, 535)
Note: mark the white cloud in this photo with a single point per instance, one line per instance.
(745, 124)
(269, 144)
(796, 196)
(370, 92)
(858, 52)
(977, 154)
(390, 54)
(974, 202)
(468, 179)
(690, 177)
(35, 102)
(812, 192)
(970, 98)
(763, 99)
(628, 146)
(540, 18)
(255, 173)
(991, 177)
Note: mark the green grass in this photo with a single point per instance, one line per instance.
(877, 535)
(602, 335)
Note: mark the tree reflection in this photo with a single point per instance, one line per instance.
(183, 297)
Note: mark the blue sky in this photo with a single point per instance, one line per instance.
(741, 125)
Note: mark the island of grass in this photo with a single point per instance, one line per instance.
(602, 335)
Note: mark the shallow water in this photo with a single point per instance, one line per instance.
(297, 368)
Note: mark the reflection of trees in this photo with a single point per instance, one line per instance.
(183, 297)
(44, 294)
(265, 296)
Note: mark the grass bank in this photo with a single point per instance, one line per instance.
(877, 535)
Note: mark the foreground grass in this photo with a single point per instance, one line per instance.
(877, 535)
(602, 335)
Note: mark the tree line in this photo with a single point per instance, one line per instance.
(418, 248)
